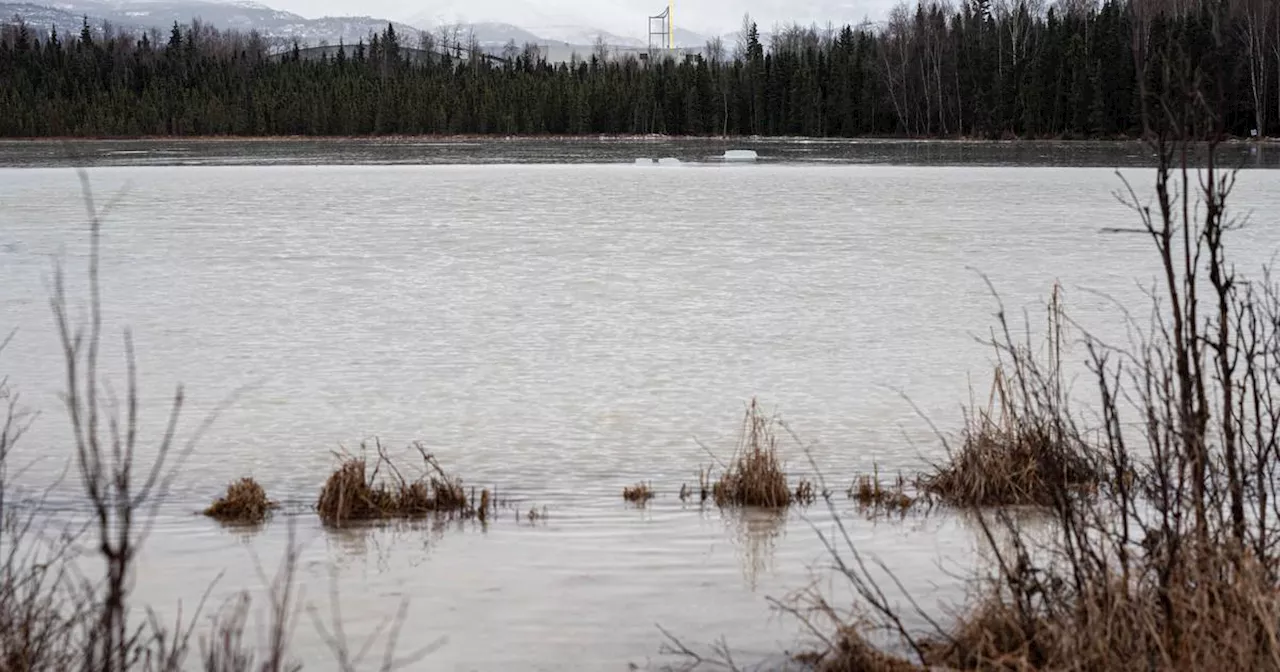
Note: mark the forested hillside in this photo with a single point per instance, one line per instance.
(981, 69)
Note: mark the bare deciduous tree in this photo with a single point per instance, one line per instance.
(714, 50)
(1253, 33)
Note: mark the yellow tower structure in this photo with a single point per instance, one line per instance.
(671, 24)
(662, 31)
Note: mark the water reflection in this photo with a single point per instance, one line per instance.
(243, 533)
(409, 541)
(998, 533)
(755, 533)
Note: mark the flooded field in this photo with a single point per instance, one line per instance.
(559, 324)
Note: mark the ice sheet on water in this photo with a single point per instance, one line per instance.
(740, 155)
(669, 161)
(644, 162)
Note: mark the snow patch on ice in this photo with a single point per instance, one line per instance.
(740, 155)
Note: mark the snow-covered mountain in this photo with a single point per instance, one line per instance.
(580, 34)
(41, 18)
(488, 34)
(622, 23)
(136, 15)
(493, 23)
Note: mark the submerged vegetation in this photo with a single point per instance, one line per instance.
(1023, 462)
(354, 492)
(871, 493)
(638, 493)
(244, 502)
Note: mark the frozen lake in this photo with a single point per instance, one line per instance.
(561, 330)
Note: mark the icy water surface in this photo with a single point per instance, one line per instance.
(560, 331)
(453, 151)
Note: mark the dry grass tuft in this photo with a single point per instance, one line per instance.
(704, 487)
(1026, 462)
(805, 493)
(353, 492)
(851, 652)
(482, 512)
(638, 493)
(1025, 448)
(244, 502)
(754, 476)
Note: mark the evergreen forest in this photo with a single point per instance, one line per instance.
(981, 69)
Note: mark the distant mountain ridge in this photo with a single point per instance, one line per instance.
(277, 26)
(283, 27)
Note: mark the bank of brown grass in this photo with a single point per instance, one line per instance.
(355, 492)
(1223, 615)
(245, 501)
(638, 493)
(754, 476)
(851, 652)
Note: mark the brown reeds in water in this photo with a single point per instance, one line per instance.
(354, 492)
(704, 487)
(872, 493)
(1024, 448)
(1025, 464)
(245, 501)
(754, 476)
(638, 493)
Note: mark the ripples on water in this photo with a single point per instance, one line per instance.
(562, 331)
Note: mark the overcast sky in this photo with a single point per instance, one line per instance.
(620, 16)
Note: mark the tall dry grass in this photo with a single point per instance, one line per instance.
(754, 475)
(1023, 448)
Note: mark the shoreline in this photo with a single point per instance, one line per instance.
(605, 138)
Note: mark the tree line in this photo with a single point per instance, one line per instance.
(983, 68)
